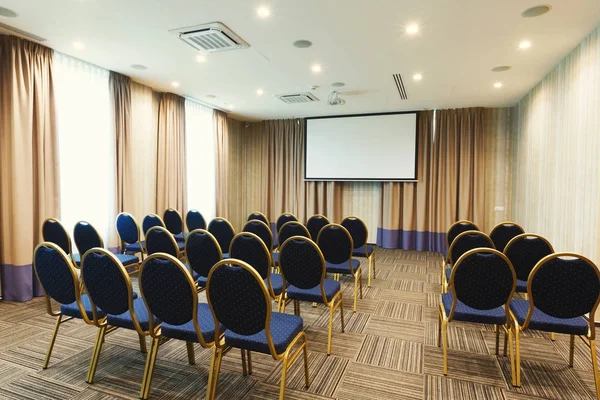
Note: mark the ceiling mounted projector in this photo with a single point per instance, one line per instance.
(335, 100)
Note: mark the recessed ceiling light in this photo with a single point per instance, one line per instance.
(302, 43)
(536, 11)
(338, 84)
(501, 68)
(139, 66)
(498, 85)
(316, 68)
(210, 96)
(5, 12)
(259, 92)
(175, 84)
(78, 45)
(417, 77)
(263, 12)
(525, 44)
(200, 58)
(412, 29)
(231, 106)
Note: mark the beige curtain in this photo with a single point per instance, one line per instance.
(29, 186)
(171, 165)
(120, 95)
(222, 174)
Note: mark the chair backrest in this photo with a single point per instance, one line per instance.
(457, 228)
(315, 224)
(194, 220)
(302, 263)
(336, 244)
(525, 251)
(261, 230)
(150, 221)
(283, 218)
(564, 285)
(292, 228)
(86, 237)
(223, 231)
(127, 228)
(466, 241)
(173, 221)
(54, 232)
(160, 240)
(358, 230)
(248, 247)
(202, 251)
(56, 273)
(503, 233)
(483, 279)
(258, 216)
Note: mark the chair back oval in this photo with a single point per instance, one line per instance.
(525, 251)
(194, 220)
(457, 228)
(223, 231)
(250, 248)
(168, 289)
(150, 221)
(283, 218)
(358, 230)
(86, 237)
(336, 244)
(238, 297)
(261, 230)
(503, 233)
(302, 263)
(173, 221)
(483, 279)
(160, 240)
(127, 228)
(315, 224)
(257, 215)
(202, 251)
(466, 241)
(55, 273)
(292, 228)
(53, 231)
(565, 285)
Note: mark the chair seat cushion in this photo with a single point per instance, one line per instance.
(188, 333)
(284, 328)
(225, 255)
(343, 268)
(544, 322)
(521, 286)
(448, 272)
(276, 257)
(128, 259)
(314, 294)
(77, 259)
(275, 242)
(277, 283)
(72, 310)
(125, 321)
(202, 281)
(363, 251)
(180, 237)
(135, 247)
(463, 312)
(181, 246)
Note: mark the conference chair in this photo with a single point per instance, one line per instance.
(524, 252)
(170, 294)
(457, 228)
(150, 221)
(263, 231)
(194, 220)
(129, 234)
(359, 232)
(223, 231)
(336, 245)
(563, 292)
(110, 290)
(53, 231)
(174, 223)
(481, 286)
(303, 270)
(315, 223)
(203, 251)
(502, 233)
(240, 300)
(283, 218)
(87, 237)
(60, 282)
(289, 229)
(258, 216)
(160, 240)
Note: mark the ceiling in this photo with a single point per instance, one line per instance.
(358, 42)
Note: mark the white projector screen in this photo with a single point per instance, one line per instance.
(373, 147)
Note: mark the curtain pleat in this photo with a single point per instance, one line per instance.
(222, 148)
(120, 95)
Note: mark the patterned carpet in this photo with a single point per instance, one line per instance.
(388, 352)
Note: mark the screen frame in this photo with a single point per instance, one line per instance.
(412, 179)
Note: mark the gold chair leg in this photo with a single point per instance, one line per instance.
(190, 353)
(143, 347)
(445, 345)
(355, 293)
(505, 342)
(497, 339)
(342, 312)
(374, 270)
(244, 370)
(283, 376)
(314, 304)
(96, 354)
(249, 362)
(149, 368)
(49, 353)
(517, 356)
(440, 330)
(360, 284)
(552, 337)
(571, 350)
(595, 365)
(306, 375)
(330, 328)
(369, 273)
(513, 376)
(213, 378)
(296, 307)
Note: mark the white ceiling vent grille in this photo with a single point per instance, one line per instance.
(400, 86)
(294, 98)
(211, 38)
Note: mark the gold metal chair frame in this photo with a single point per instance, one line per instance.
(460, 222)
(370, 257)
(180, 254)
(221, 348)
(139, 235)
(162, 223)
(211, 237)
(180, 218)
(285, 214)
(503, 224)
(71, 255)
(257, 212)
(220, 219)
(186, 217)
(254, 221)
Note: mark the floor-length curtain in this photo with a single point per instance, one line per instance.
(171, 165)
(29, 181)
(222, 164)
(120, 96)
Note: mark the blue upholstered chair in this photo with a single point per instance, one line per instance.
(464, 242)
(87, 237)
(53, 231)
(303, 269)
(170, 294)
(160, 240)
(174, 223)
(260, 229)
(288, 230)
(524, 252)
(59, 280)
(110, 290)
(240, 300)
(257, 215)
(336, 245)
(502, 233)
(315, 223)
(129, 233)
(203, 252)
(283, 218)
(457, 228)
(563, 292)
(194, 220)
(223, 231)
(481, 285)
(359, 232)
(150, 221)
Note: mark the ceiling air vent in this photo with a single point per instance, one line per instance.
(294, 98)
(400, 86)
(211, 38)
